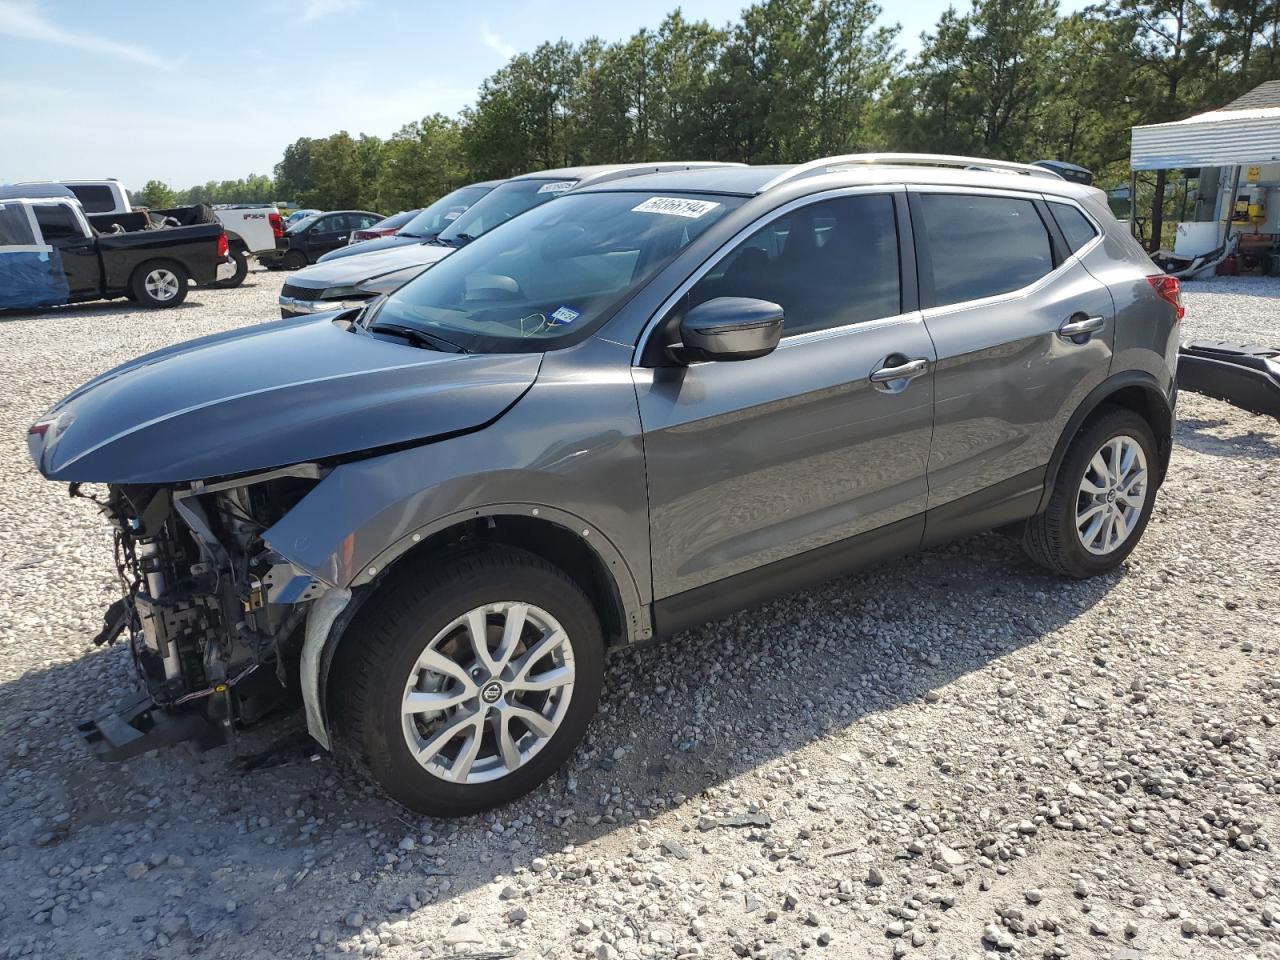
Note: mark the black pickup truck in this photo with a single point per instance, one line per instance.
(51, 252)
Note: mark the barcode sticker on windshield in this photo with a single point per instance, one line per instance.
(556, 186)
(676, 207)
(565, 315)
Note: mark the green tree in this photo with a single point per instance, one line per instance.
(981, 84)
(423, 161)
(156, 195)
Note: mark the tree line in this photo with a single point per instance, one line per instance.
(792, 80)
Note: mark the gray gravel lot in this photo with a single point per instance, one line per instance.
(950, 756)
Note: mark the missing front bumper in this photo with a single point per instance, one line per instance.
(138, 725)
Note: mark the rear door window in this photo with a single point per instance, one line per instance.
(56, 222)
(982, 246)
(1075, 226)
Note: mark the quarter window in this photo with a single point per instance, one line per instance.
(982, 246)
(827, 265)
(1075, 226)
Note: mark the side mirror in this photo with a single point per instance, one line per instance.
(728, 328)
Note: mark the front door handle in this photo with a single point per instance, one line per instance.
(903, 371)
(1080, 328)
(343, 237)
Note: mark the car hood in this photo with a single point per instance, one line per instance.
(269, 396)
(357, 268)
(369, 246)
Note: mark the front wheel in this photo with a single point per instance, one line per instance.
(160, 284)
(463, 685)
(1102, 498)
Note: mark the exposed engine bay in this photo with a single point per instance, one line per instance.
(213, 618)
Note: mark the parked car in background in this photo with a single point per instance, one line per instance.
(383, 228)
(363, 276)
(51, 253)
(641, 407)
(96, 196)
(312, 237)
(426, 225)
(252, 229)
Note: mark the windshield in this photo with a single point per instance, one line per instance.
(556, 271)
(303, 223)
(504, 202)
(434, 218)
(393, 221)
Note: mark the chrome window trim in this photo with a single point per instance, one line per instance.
(759, 223)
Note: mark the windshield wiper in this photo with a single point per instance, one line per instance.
(418, 337)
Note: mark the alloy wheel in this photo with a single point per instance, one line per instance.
(162, 284)
(488, 692)
(1112, 494)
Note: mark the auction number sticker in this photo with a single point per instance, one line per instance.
(676, 207)
(557, 186)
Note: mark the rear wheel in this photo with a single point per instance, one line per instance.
(463, 685)
(1102, 498)
(293, 260)
(160, 284)
(237, 278)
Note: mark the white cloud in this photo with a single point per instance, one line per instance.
(495, 43)
(23, 20)
(315, 9)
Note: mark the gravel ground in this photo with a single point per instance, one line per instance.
(952, 755)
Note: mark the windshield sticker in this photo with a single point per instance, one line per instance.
(676, 207)
(557, 186)
(565, 315)
(453, 215)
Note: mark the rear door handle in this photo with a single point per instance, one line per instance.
(903, 371)
(1080, 328)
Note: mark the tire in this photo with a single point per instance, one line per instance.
(160, 283)
(293, 260)
(237, 278)
(1056, 538)
(425, 607)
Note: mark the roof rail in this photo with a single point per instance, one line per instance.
(827, 164)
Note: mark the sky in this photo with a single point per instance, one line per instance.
(188, 92)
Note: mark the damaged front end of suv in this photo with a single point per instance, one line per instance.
(194, 454)
(214, 618)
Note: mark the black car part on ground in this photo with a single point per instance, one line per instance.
(1245, 375)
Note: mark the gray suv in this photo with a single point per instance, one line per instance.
(619, 415)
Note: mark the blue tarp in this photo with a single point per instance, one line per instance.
(30, 278)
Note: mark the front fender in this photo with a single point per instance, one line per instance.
(571, 448)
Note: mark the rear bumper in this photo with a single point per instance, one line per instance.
(226, 269)
(1244, 375)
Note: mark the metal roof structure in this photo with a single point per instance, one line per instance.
(1245, 131)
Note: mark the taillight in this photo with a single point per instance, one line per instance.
(222, 245)
(277, 224)
(1169, 289)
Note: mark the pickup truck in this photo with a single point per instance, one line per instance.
(252, 229)
(52, 253)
